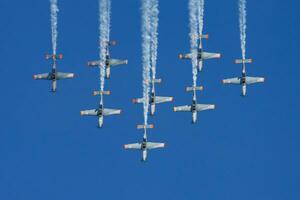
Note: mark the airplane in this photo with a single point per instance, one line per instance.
(100, 112)
(54, 75)
(153, 99)
(201, 55)
(194, 107)
(144, 146)
(243, 80)
(109, 62)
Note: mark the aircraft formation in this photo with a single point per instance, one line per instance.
(149, 99)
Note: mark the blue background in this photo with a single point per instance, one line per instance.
(248, 148)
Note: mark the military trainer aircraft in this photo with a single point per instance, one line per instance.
(54, 75)
(243, 80)
(144, 146)
(109, 62)
(201, 55)
(100, 112)
(194, 107)
(153, 99)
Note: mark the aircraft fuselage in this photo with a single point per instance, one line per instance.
(194, 111)
(152, 103)
(100, 116)
(144, 150)
(243, 83)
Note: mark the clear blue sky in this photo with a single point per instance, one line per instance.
(248, 148)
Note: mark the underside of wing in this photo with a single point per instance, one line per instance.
(232, 81)
(133, 146)
(92, 112)
(138, 100)
(182, 108)
(206, 55)
(114, 62)
(163, 99)
(62, 75)
(185, 56)
(201, 107)
(251, 80)
(154, 145)
(44, 76)
(108, 111)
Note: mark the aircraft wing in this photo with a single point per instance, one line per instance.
(182, 108)
(92, 112)
(139, 100)
(251, 80)
(61, 75)
(41, 76)
(206, 55)
(163, 99)
(154, 145)
(231, 81)
(115, 62)
(201, 107)
(133, 146)
(108, 111)
(93, 63)
(185, 56)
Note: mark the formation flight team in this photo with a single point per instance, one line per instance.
(149, 99)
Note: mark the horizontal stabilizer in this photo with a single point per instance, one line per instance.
(48, 56)
(157, 80)
(145, 126)
(190, 89)
(205, 36)
(99, 92)
(240, 61)
(111, 42)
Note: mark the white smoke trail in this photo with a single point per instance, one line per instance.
(104, 29)
(193, 37)
(242, 20)
(146, 41)
(154, 35)
(54, 10)
(200, 14)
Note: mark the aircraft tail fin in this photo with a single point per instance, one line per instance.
(241, 61)
(148, 126)
(99, 92)
(52, 56)
(190, 89)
